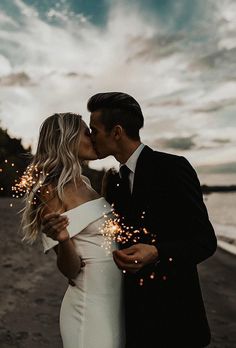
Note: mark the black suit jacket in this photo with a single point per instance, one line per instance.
(167, 310)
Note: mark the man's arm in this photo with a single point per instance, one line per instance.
(197, 240)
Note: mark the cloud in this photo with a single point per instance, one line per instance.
(216, 59)
(154, 48)
(216, 106)
(21, 79)
(229, 167)
(182, 143)
(180, 65)
(221, 141)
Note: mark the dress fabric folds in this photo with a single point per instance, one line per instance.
(92, 311)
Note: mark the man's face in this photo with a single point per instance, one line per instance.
(102, 140)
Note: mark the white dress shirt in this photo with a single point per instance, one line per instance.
(131, 164)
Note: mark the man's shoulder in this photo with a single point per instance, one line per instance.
(156, 157)
(167, 167)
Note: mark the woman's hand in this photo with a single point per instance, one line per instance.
(54, 226)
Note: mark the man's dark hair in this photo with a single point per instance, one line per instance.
(118, 109)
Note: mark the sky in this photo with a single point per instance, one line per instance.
(177, 58)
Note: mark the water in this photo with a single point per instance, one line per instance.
(222, 206)
(217, 179)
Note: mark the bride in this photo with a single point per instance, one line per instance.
(91, 314)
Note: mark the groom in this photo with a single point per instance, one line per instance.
(159, 195)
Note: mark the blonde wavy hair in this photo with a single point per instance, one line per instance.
(55, 163)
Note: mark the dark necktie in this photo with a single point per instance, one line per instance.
(125, 202)
(125, 172)
(125, 193)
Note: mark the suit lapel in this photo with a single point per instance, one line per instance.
(141, 175)
(142, 186)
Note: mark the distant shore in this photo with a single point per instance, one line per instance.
(211, 189)
(206, 189)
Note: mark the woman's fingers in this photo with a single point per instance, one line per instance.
(56, 229)
(52, 218)
(54, 224)
(48, 217)
(60, 226)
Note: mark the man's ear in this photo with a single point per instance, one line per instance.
(117, 132)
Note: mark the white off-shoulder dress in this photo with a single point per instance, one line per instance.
(92, 312)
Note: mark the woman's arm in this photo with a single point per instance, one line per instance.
(68, 261)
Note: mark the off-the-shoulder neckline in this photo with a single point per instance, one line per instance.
(83, 204)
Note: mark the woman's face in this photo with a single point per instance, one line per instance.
(86, 149)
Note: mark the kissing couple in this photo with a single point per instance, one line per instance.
(145, 293)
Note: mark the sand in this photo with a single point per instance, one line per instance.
(31, 290)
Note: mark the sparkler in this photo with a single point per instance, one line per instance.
(31, 181)
(114, 230)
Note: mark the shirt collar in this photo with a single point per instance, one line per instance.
(132, 161)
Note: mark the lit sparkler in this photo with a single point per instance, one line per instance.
(114, 230)
(31, 181)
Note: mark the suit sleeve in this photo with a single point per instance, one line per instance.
(196, 238)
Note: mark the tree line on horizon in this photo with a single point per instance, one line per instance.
(14, 159)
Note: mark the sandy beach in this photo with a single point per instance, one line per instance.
(31, 291)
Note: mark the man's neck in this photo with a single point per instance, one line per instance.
(126, 151)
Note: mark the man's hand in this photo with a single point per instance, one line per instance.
(134, 258)
(54, 226)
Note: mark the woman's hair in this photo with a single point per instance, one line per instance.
(55, 163)
(118, 108)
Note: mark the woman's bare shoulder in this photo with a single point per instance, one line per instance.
(51, 201)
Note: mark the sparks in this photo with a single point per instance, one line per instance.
(29, 182)
(26, 183)
(114, 230)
